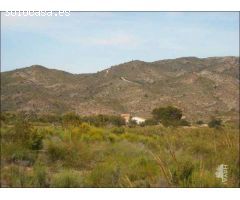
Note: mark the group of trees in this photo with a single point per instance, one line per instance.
(68, 119)
(72, 119)
(104, 120)
(167, 116)
(172, 116)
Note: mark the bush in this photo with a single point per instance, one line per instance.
(70, 119)
(182, 175)
(117, 120)
(56, 151)
(36, 141)
(199, 122)
(132, 123)
(16, 176)
(112, 138)
(19, 154)
(104, 175)
(49, 118)
(184, 122)
(118, 130)
(67, 179)
(22, 131)
(77, 132)
(104, 120)
(151, 122)
(85, 127)
(8, 117)
(142, 168)
(40, 175)
(215, 123)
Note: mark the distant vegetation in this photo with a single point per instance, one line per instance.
(169, 116)
(215, 123)
(68, 119)
(102, 151)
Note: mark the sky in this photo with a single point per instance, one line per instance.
(87, 42)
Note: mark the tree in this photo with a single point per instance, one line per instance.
(167, 115)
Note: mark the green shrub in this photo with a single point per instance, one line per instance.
(151, 122)
(21, 132)
(36, 140)
(132, 123)
(8, 117)
(104, 120)
(85, 127)
(77, 133)
(184, 122)
(40, 175)
(17, 153)
(71, 119)
(142, 168)
(49, 118)
(15, 176)
(201, 148)
(56, 151)
(67, 179)
(215, 123)
(118, 130)
(112, 138)
(199, 122)
(182, 175)
(104, 175)
(96, 134)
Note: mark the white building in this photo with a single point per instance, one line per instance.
(138, 120)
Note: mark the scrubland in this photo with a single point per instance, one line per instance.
(83, 155)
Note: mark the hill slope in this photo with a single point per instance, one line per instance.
(201, 87)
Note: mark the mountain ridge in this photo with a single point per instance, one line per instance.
(202, 87)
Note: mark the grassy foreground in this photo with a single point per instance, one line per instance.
(43, 155)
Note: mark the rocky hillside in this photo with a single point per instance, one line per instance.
(200, 87)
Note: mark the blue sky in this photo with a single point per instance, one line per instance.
(91, 41)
